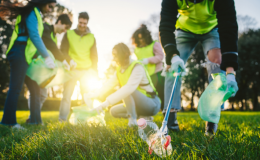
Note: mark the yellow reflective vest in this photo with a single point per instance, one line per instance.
(30, 49)
(199, 18)
(146, 52)
(123, 77)
(79, 49)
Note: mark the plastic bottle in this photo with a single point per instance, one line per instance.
(157, 142)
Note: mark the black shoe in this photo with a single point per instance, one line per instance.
(211, 129)
(172, 124)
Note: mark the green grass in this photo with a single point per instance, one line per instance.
(238, 137)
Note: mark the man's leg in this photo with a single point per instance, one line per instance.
(35, 105)
(43, 97)
(211, 47)
(68, 89)
(186, 43)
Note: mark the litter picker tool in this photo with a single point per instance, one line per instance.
(164, 128)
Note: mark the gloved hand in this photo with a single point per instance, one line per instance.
(145, 61)
(176, 63)
(49, 62)
(73, 64)
(66, 65)
(232, 83)
(101, 107)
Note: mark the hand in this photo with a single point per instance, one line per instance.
(232, 83)
(49, 62)
(101, 107)
(177, 63)
(145, 61)
(66, 65)
(73, 64)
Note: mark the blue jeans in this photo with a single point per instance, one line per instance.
(68, 89)
(136, 104)
(43, 97)
(186, 43)
(18, 66)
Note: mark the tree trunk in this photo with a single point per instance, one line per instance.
(192, 108)
(255, 99)
(242, 107)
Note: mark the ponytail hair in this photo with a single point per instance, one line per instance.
(146, 35)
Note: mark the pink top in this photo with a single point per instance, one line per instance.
(158, 57)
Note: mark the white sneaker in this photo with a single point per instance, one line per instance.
(18, 126)
(132, 122)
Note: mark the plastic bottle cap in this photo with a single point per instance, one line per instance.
(141, 122)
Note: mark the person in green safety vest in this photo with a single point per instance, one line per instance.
(150, 53)
(25, 42)
(63, 23)
(80, 45)
(137, 90)
(212, 23)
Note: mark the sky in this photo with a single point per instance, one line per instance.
(114, 21)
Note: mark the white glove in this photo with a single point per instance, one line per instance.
(101, 107)
(145, 61)
(49, 62)
(73, 64)
(232, 83)
(66, 65)
(176, 63)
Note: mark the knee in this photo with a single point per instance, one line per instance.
(214, 55)
(113, 112)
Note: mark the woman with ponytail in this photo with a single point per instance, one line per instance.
(25, 42)
(150, 53)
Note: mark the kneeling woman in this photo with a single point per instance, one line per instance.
(137, 90)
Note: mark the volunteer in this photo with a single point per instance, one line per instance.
(137, 90)
(150, 53)
(25, 42)
(80, 45)
(211, 22)
(49, 38)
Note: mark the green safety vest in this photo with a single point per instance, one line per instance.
(199, 18)
(123, 77)
(30, 49)
(52, 35)
(146, 52)
(79, 49)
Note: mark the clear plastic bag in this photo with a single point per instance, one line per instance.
(84, 114)
(213, 97)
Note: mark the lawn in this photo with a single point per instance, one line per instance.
(238, 137)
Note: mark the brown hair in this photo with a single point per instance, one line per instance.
(10, 10)
(122, 53)
(146, 34)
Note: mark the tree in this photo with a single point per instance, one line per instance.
(153, 24)
(249, 67)
(196, 79)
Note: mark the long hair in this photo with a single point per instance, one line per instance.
(146, 35)
(9, 11)
(122, 53)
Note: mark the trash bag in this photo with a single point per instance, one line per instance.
(46, 77)
(84, 114)
(40, 73)
(213, 97)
